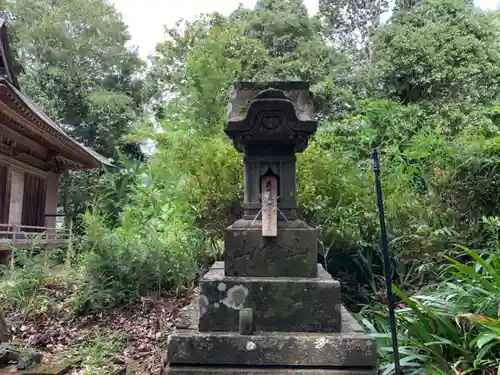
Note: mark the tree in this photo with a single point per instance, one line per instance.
(440, 51)
(350, 23)
(76, 65)
(405, 5)
(169, 61)
(277, 40)
(78, 68)
(280, 25)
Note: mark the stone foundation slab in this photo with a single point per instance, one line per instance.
(190, 347)
(272, 349)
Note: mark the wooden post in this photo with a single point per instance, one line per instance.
(15, 229)
(67, 218)
(269, 206)
(69, 254)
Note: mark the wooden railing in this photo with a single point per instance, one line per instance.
(16, 236)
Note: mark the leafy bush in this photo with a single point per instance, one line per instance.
(439, 176)
(453, 324)
(168, 227)
(120, 265)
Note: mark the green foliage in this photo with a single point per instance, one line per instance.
(432, 157)
(200, 59)
(98, 349)
(169, 223)
(21, 285)
(130, 261)
(449, 325)
(350, 24)
(440, 51)
(208, 176)
(280, 25)
(76, 66)
(208, 71)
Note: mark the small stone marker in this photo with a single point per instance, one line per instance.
(269, 206)
(246, 321)
(270, 308)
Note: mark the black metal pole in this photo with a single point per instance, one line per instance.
(387, 266)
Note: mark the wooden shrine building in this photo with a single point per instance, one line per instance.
(34, 152)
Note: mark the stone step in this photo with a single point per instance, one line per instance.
(200, 370)
(279, 304)
(271, 349)
(213, 352)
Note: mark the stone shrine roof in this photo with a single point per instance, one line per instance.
(295, 91)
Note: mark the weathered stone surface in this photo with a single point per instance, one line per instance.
(278, 304)
(349, 348)
(5, 333)
(186, 370)
(297, 92)
(271, 113)
(189, 316)
(270, 122)
(272, 349)
(293, 253)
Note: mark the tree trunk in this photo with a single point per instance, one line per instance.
(4, 328)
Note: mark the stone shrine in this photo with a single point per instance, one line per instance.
(269, 308)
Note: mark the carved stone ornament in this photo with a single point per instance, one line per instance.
(279, 113)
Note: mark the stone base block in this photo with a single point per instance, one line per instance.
(293, 253)
(349, 349)
(185, 370)
(272, 349)
(279, 304)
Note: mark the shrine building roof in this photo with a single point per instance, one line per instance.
(19, 113)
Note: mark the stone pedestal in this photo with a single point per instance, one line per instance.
(269, 308)
(292, 253)
(191, 351)
(279, 304)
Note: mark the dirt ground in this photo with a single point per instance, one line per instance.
(125, 340)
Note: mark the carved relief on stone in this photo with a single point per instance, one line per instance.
(271, 121)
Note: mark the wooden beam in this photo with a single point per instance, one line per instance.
(28, 159)
(16, 109)
(36, 133)
(21, 115)
(22, 148)
(21, 165)
(6, 132)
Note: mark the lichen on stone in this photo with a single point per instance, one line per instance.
(222, 287)
(321, 342)
(236, 296)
